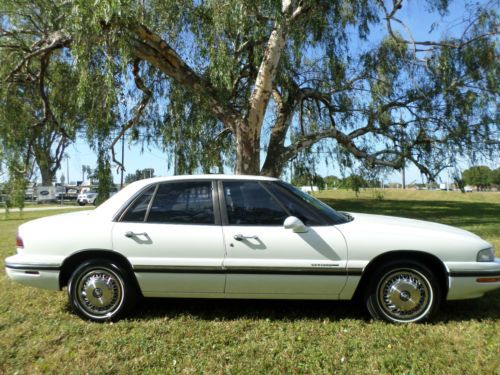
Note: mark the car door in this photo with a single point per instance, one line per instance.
(265, 259)
(172, 236)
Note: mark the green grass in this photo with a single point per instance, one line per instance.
(38, 334)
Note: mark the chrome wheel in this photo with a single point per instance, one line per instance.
(100, 292)
(405, 295)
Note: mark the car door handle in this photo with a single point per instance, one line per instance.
(131, 234)
(240, 237)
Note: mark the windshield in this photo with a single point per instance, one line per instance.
(326, 210)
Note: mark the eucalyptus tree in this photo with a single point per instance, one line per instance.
(276, 78)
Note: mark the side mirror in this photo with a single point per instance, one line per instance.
(295, 224)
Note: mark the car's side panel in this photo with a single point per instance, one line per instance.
(274, 260)
(60, 236)
(169, 258)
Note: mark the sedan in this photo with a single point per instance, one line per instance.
(215, 236)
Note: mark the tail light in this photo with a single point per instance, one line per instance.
(19, 242)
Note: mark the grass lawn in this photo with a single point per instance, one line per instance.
(39, 335)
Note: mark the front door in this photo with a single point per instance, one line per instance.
(172, 236)
(265, 259)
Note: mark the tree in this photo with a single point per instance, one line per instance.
(479, 176)
(38, 112)
(41, 108)
(281, 79)
(86, 170)
(332, 181)
(139, 174)
(495, 177)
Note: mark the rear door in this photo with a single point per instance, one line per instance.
(263, 258)
(172, 236)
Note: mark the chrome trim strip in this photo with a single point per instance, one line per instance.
(475, 273)
(34, 266)
(249, 270)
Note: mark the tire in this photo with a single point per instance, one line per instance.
(80, 203)
(101, 290)
(403, 292)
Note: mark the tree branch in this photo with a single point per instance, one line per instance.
(54, 41)
(153, 49)
(138, 111)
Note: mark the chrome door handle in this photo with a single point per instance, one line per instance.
(131, 234)
(240, 237)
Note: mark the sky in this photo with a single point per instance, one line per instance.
(419, 22)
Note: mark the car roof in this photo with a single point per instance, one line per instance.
(210, 177)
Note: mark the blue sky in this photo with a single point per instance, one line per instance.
(415, 16)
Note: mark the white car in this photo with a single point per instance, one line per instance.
(247, 237)
(87, 197)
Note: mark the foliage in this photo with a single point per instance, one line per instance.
(305, 175)
(355, 183)
(86, 170)
(460, 183)
(139, 174)
(480, 176)
(104, 176)
(218, 83)
(495, 177)
(38, 102)
(15, 187)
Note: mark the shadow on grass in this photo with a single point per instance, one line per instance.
(485, 308)
(447, 212)
(235, 309)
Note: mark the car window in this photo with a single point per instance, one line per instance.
(248, 203)
(294, 204)
(137, 211)
(183, 203)
(334, 217)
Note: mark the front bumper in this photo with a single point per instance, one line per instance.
(39, 275)
(473, 279)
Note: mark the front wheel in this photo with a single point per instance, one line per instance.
(403, 292)
(100, 290)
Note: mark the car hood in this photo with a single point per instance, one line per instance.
(392, 223)
(368, 235)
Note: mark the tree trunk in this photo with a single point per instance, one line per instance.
(247, 149)
(275, 160)
(44, 162)
(46, 173)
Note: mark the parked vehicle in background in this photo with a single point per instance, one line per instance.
(215, 236)
(87, 197)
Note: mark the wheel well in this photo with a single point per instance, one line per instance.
(435, 265)
(73, 261)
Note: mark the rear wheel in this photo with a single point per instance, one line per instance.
(101, 290)
(403, 292)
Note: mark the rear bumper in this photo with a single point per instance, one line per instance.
(473, 280)
(45, 276)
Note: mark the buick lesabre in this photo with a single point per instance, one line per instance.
(217, 236)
